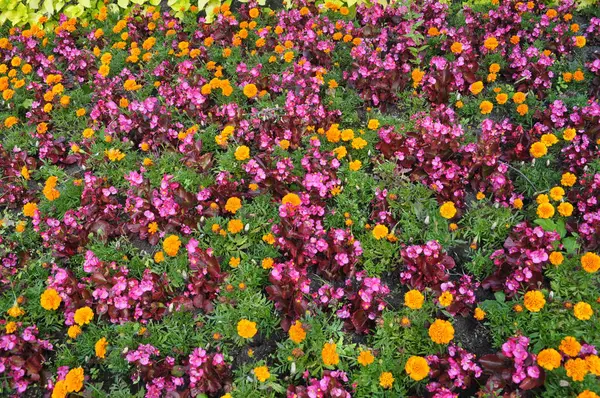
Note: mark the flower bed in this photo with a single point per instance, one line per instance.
(318, 201)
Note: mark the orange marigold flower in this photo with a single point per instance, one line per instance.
(242, 153)
(576, 369)
(534, 300)
(448, 210)
(297, 333)
(570, 346)
(246, 329)
(74, 380)
(479, 314)
(233, 205)
(386, 380)
(250, 90)
(486, 107)
(100, 347)
(565, 209)
(490, 43)
(549, 359)
(441, 332)
(556, 258)
(50, 300)
(29, 209)
(414, 299)
(538, 149)
(235, 226)
(366, 358)
(83, 316)
(583, 311)
(568, 179)
(476, 87)
(74, 331)
(329, 354)
(262, 373)
(590, 262)
(171, 245)
(417, 368)
(380, 231)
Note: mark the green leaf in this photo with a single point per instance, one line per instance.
(123, 3)
(560, 228)
(85, 3)
(546, 224)
(500, 296)
(570, 244)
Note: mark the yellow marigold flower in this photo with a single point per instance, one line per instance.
(479, 314)
(490, 43)
(518, 203)
(297, 333)
(254, 13)
(10, 121)
(480, 196)
(233, 205)
(25, 173)
(366, 358)
(380, 231)
(569, 134)
(568, 179)
(100, 347)
(386, 380)
(11, 327)
(171, 245)
(456, 47)
(448, 210)
(476, 87)
(355, 165)
(159, 257)
(445, 299)
(268, 238)
(74, 380)
(556, 258)
(441, 332)
(519, 97)
(522, 109)
(590, 262)
(267, 263)
(588, 394)
(234, 262)
(15, 311)
(235, 226)
(114, 155)
(373, 124)
(549, 359)
(593, 362)
(20, 226)
(576, 369)
(494, 68)
(417, 368)
(242, 153)
(29, 209)
(359, 143)
(486, 107)
(545, 210)
(262, 373)
(50, 300)
(250, 90)
(542, 198)
(565, 209)
(413, 299)
(534, 300)
(583, 311)
(83, 316)
(74, 331)
(246, 329)
(557, 193)
(329, 354)
(131, 85)
(570, 346)
(580, 41)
